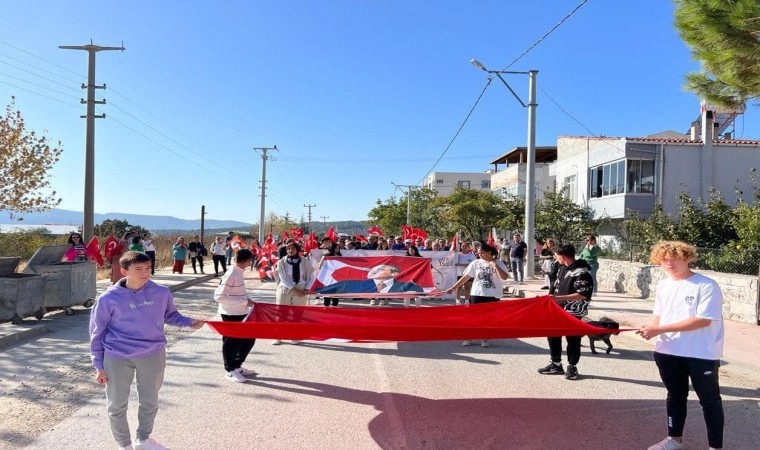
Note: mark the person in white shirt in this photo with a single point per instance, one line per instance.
(233, 307)
(150, 249)
(688, 325)
(219, 255)
(294, 274)
(487, 273)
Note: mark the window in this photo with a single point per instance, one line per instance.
(463, 184)
(571, 191)
(485, 184)
(439, 181)
(641, 176)
(608, 179)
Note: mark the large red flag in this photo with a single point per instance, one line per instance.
(285, 236)
(419, 233)
(297, 233)
(93, 251)
(407, 231)
(112, 247)
(331, 234)
(491, 239)
(375, 230)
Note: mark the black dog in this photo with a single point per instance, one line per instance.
(603, 322)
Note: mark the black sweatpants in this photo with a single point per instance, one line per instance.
(675, 372)
(573, 349)
(217, 260)
(235, 350)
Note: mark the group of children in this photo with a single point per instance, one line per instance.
(127, 340)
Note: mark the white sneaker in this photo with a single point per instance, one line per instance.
(149, 444)
(276, 342)
(485, 344)
(246, 372)
(466, 343)
(232, 375)
(295, 342)
(667, 444)
(372, 303)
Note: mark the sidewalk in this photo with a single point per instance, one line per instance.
(31, 327)
(741, 344)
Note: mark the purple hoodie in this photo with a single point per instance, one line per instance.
(130, 324)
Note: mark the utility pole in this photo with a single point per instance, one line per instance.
(88, 224)
(324, 220)
(408, 201)
(264, 158)
(203, 221)
(309, 206)
(530, 176)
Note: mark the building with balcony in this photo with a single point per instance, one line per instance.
(510, 180)
(615, 175)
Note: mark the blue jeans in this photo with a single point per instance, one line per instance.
(594, 268)
(517, 267)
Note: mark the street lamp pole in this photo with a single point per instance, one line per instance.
(530, 172)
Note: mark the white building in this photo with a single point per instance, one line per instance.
(510, 181)
(445, 182)
(614, 175)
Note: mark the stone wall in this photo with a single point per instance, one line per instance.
(740, 292)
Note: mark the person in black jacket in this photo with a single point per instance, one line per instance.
(197, 252)
(572, 291)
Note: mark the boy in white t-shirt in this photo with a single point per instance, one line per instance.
(688, 324)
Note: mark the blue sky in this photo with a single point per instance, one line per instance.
(356, 95)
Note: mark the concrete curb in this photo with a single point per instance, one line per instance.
(21, 334)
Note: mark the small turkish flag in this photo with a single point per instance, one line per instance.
(112, 247)
(93, 251)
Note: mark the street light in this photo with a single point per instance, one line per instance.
(530, 216)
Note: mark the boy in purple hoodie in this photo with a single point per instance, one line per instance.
(127, 338)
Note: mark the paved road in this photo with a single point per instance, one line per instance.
(436, 395)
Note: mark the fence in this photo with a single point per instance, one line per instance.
(740, 260)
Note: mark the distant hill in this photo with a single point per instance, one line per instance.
(65, 217)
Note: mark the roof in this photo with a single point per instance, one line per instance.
(519, 154)
(666, 140)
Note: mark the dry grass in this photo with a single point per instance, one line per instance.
(163, 253)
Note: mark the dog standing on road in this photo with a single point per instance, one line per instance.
(603, 322)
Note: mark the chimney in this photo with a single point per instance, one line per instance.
(694, 130)
(708, 129)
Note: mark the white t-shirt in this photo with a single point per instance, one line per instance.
(696, 296)
(486, 281)
(148, 245)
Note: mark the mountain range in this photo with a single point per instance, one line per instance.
(57, 216)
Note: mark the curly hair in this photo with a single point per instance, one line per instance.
(672, 250)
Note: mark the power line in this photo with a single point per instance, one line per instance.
(39, 85)
(566, 113)
(461, 127)
(38, 75)
(40, 94)
(546, 34)
(45, 60)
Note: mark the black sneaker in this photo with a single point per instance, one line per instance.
(552, 369)
(572, 372)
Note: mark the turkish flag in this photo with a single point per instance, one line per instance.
(375, 230)
(491, 240)
(112, 247)
(360, 237)
(297, 233)
(285, 235)
(419, 233)
(236, 243)
(455, 243)
(93, 251)
(311, 243)
(407, 231)
(331, 234)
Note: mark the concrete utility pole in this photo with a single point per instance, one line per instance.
(309, 206)
(264, 158)
(408, 201)
(324, 220)
(203, 221)
(88, 224)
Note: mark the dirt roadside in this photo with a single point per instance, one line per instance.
(45, 380)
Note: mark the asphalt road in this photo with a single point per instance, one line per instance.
(428, 395)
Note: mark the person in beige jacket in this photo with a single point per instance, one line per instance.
(294, 274)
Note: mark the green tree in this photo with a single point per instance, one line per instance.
(471, 212)
(704, 225)
(560, 218)
(25, 160)
(640, 233)
(722, 34)
(117, 228)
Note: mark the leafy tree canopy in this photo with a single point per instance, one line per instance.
(25, 160)
(117, 228)
(723, 35)
(560, 218)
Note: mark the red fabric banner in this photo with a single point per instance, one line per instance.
(535, 317)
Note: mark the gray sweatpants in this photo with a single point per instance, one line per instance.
(121, 373)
